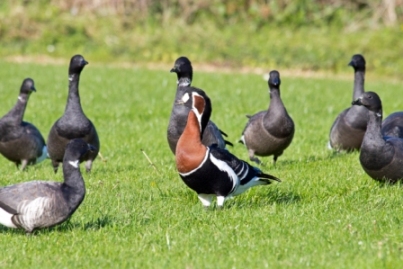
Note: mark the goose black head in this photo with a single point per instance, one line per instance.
(183, 68)
(27, 86)
(371, 101)
(274, 79)
(77, 149)
(357, 62)
(77, 64)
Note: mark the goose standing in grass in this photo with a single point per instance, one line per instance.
(349, 127)
(211, 135)
(269, 132)
(381, 157)
(393, 125)
(211, 171)
(20, 141)
(40, 204)
(73, 124)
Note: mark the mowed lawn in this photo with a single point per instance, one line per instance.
(327, 213)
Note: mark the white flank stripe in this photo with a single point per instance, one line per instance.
(32, 211)
(201, 164)
(74, 163)
(5, 218)
(223, 166)
(20, 98)
(245, 170)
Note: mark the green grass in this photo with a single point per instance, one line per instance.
(327, 213)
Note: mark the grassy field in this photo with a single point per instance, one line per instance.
(327, 213)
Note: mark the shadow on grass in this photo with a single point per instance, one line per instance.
(261, 200)
(66, 226)
(313, 158)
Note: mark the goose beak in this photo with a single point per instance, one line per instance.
(357, 102)
(174, 69)
(33, 89)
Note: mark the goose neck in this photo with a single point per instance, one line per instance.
(359, 79)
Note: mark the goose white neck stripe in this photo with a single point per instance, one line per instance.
(223, 166)
(74, 163)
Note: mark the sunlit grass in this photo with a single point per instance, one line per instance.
(327, 213)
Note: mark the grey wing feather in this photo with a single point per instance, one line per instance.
(13, 195)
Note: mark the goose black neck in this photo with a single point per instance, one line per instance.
(359, 79)
(73, 99)
(72, 177)
(275, 101)
(16, 114)
(373, 136)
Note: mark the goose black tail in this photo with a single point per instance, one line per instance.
(228, 143)
(267, 177)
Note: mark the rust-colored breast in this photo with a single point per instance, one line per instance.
(190, 152)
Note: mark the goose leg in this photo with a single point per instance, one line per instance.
(220, 201)
(252, 157)
(88, 166)
(24, 164)
(205, 199)
(55, 165)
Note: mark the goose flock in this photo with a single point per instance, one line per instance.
(202, 157)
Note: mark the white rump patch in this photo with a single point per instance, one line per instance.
(329, 146)
(43, 156)
(74, 163)
(5, 219)
(223, 166)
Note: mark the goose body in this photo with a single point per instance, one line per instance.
(212, 171)
(73, 123)
(21, 142)
(393, 125)
(381, 157)
(177, 122)
(349, 127)
(39, 204)
(269, 132)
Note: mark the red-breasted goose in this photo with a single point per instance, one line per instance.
(211, 171)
